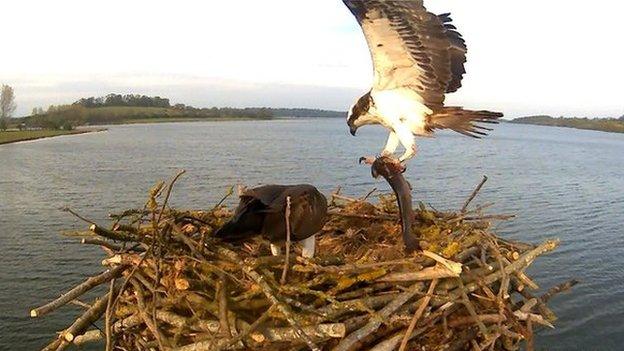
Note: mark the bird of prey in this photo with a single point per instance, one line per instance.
(261, 211)
(418, 57)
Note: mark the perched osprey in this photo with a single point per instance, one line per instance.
(418, 57)
(261, 211)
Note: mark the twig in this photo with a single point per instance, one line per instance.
(168, 194)
(529, 339)
(100, 242)
(352, 339)
(263, 318)
(109, 234)
(80, 289)
(91, 315)
(474, 193)
(287, 259)
(229, 193)
(223, 310)
(358, 215)
(521, 263)
(365, 197)
(69, 210)
(153, 327)
(266, 289)
(469, 306)
(418, 314)
(557, 289)
(108, 317)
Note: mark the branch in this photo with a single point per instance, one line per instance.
(474, 193)
(80, 289)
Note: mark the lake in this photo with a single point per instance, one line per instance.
(560, 182)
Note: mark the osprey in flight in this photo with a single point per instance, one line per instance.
(418, 57)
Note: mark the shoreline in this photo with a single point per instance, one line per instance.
(157, 120)
(37, 137)
(595, 125)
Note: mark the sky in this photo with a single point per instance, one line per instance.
(557, 57)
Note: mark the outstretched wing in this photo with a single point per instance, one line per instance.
(411, 47)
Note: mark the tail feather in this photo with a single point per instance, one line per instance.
(463, 121)
(246, 222)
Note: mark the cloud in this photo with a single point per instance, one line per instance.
(524, 57)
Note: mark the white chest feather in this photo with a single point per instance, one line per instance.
(400, 106)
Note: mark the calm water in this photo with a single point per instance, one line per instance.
(560, 182)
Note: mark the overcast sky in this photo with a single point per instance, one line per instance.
(560, 57)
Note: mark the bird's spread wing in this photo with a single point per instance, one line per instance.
(411, 47)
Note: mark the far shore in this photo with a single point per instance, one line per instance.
(15, 136)
(186, 119)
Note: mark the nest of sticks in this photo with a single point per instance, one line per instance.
(170, 286)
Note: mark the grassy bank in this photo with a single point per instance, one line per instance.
(75, 115)
(611, 125)
(7, 137)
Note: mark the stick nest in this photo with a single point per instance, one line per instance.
(171, 286)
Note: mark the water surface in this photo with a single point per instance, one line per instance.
(560, 182)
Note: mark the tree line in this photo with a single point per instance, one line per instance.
(123, 100)
(122, 108)
(615, 125)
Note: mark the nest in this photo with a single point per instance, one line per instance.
(171, 286)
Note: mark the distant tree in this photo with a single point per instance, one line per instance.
(7, 102)
(621, 118)
(67, 126)
(3, 124)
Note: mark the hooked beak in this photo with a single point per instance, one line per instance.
(352, 129)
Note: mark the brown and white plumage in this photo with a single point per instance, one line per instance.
(261, 211)
(418, 57)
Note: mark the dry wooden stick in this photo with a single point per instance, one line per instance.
(228, 193)
(80, 289)
(522, 262)
(223, 310)
(558, 289)
(470, 307)
(352, 339)
(268, 292)
(421, 308)
(95, 335)
(240, 337)
(365, 197)
(287, 259)
(79, 303)
(108, 317)
(484, 318)
(168, 194)
(285, 334)
(474, 193)
(428, 273)
(67, 209)
(529, 339)
(100, 242)
(153, 327)
(358, 215)
(81, 324)
(109, 234)
(452, 266)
